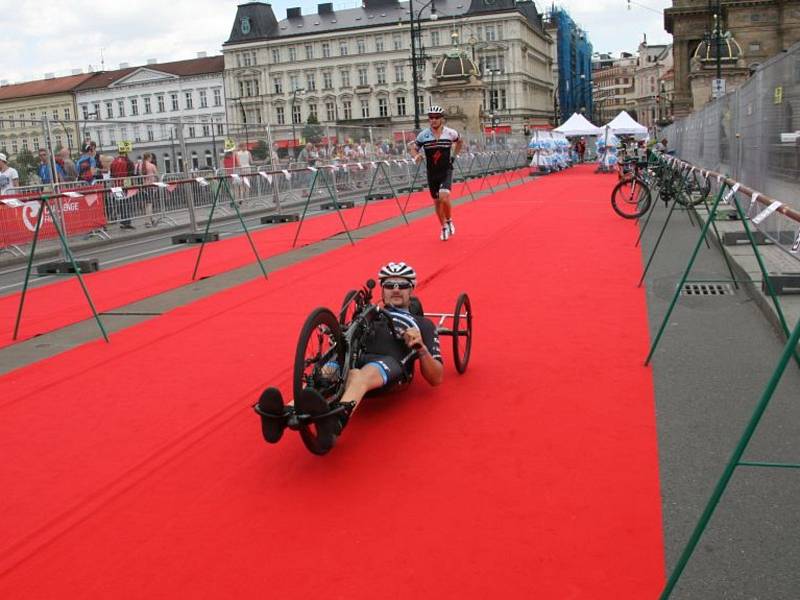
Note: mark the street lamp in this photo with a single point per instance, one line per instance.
(300, 91)
(244, 120)
(492, 101)
(416, 37)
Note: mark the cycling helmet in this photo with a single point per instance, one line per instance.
(436, 110)
(400, 270)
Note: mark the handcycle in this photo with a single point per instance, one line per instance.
(327, 338)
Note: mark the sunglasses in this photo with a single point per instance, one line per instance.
(434, 116)
(396, 285)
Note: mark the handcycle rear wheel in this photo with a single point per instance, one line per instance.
(462, 332)
(630, 198)
(321, 341)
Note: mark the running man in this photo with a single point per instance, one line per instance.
(441, 146)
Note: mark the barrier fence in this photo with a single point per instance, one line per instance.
(751, 134)
(174, 199)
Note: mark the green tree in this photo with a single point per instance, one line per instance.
(26, 164)
(313, 131)
(260, 150)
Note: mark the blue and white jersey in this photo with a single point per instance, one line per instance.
(383, 343)
(438, 151)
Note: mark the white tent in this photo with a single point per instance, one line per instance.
(623, 124)
(577, 124)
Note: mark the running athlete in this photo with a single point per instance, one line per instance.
(379, 366)
(438, 143)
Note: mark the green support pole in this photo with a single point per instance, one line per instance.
(381, 166)
(28, 270)
(332, 196)
(735, 460)
(464, 180)
(679, 287)
(244, 226)
(208, 226)
(411, 187)
(658, 240)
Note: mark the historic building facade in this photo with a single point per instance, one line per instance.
(163, 108)
(353, 67)
(653, 63)
(749, 32)
(615, 89)
(23, 105)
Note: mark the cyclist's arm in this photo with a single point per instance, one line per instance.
(458, 147)
(430, 359)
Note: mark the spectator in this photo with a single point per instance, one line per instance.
(230, 161)
(662, 145)
(86, 166)
(149, 172)
(9, 178)
(581, 148)
(45, 171)
(121, 169)
(67, 164)
(308, 155)
(274, 155)
(244, 156)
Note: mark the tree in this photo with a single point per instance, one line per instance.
(260, 150)
(26, 165)
(313, 131)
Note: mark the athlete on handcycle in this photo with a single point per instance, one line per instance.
(394, 343)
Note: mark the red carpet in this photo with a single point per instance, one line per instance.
(62, 303)
(136, 469)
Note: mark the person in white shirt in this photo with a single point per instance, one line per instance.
(244, 155)
(9, 178)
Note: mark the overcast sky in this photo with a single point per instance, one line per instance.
(49, 36)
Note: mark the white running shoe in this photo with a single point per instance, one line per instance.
(445, 233)
(451, 227)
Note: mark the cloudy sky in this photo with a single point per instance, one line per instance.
(49, 36)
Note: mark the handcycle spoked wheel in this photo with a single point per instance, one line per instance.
(349, 307)
(321, 341)
(462, 332)
(630, 198)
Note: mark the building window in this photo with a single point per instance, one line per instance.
(401, 106)
(277, 85)
(330, 110)
(312, 111)
(420, 104)
(109, 110)
(397, 41)
(343, 48)
(188, 97)
(246, 59)
(361, 45)
(276, 55)
(363, 80)
(348, 110)
(67, 116)
(345, 75)
(209, 160)
(160, 103)
(84, 110)
(174, 99)
(399, 73)
(292, 54)
(206, 130)
(383, 107)
(217, 97)
(203, 99)
(296, 116)
(435, 37)
(378, 43)
(55, 114)
(294, 82)
(311, 82)
(309, 51)
(327, 80)
(148, 108)
(195, 161)
(326, 50)
(365, 109)
(134, 107)
(150, 136)
(755, 46)
(14, 146)
(280, 117)
(220, 129)
(381, 71)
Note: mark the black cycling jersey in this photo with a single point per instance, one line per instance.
(438, 152)
(381, 342)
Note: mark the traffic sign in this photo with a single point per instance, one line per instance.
(717, 88)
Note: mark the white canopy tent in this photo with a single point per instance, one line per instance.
(623, 124)
(576, 125)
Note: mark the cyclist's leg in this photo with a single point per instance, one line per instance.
(444, 197)
(434, 185)
(374, 372)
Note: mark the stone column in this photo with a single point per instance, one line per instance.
(683, 95)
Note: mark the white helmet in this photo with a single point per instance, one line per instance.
(436, 110)
(400, 270)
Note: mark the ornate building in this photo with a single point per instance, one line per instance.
(749, 32)
(353, 67)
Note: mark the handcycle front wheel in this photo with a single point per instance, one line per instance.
(348, 308)
(320, 342)
(462, 332)
(630, 198)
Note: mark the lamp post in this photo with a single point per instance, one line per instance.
(294, 138)
(214, 146)
(416, 38)
(492, 101)
(244, 120)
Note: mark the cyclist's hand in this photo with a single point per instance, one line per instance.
(418, 158)
(413, 338)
